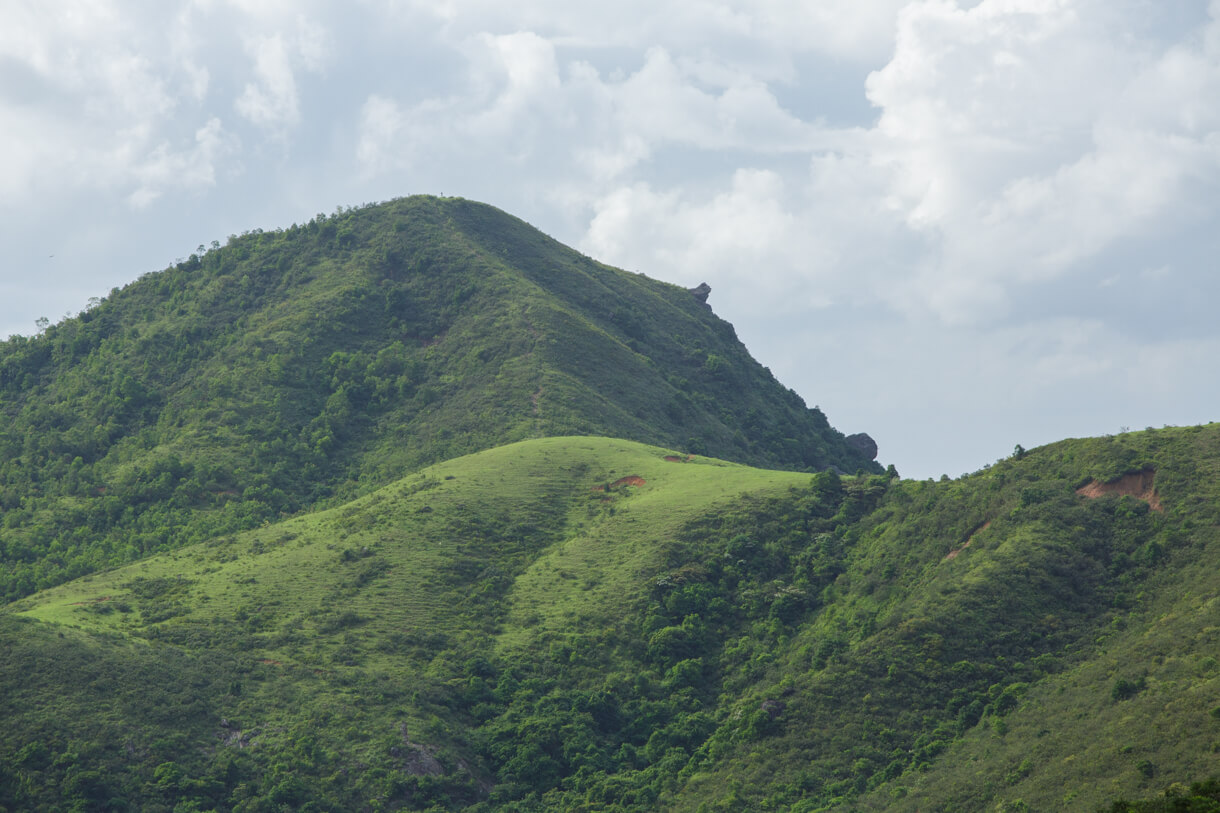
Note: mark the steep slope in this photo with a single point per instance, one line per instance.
(301, 367)
(356, 625)
(588, 624)
(1002, 642)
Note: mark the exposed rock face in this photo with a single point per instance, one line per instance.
(701, 292)
(862, 443)
(773, 708)
(417, 759)
(231, 734)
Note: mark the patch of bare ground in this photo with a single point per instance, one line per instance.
(1137, 484)
(629, 480)
(673, 458)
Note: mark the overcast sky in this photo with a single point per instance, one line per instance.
(957, 226)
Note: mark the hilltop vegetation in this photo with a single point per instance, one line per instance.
(584, 624)
(298, 368)
(413, 508)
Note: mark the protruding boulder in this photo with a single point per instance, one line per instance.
(701, 292)
(863, 444)
(773, 708)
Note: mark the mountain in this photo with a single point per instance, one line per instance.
(457, 606)
(295, 369)
(593, 624)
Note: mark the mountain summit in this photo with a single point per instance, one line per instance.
(317, 362)
(492, 596)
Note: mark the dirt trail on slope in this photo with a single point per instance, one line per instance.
(1138, 485)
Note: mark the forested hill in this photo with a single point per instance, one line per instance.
(590, 624)
(298, 367)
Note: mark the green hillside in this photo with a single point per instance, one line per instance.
(407, 610)
(592, 624)
(413, 508)
(293, 369)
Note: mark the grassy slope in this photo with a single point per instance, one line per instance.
(712, 638)
(993, 679)
(1077, 739)
(542, 500)
(354, 618)
(298, 368)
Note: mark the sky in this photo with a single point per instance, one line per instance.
(957, 226)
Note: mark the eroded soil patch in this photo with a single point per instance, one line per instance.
(629, 480)
(1138, 484)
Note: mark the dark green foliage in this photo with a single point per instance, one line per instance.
(291, 368)
(1125, 689)
(522, 629)
(97, 731)
(852, 636)
(1201, 797)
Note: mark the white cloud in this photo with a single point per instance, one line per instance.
(380, 146)
(521, 103)
(990, 205)
(193, 170)
(112, 101)
(744, 236)
(762, 33)
(271, 98)
(999, 161)
(1025, 166)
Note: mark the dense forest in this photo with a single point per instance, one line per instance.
(411, 508)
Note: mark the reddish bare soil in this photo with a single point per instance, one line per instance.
(1138, 485)
(629, 480)
(670, 458)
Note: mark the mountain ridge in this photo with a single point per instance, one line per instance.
(336, 518)
(292, 368)
(788, 640)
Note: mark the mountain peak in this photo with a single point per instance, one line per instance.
(293, 367)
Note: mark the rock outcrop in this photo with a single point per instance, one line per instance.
(863, 444)
(701, 292)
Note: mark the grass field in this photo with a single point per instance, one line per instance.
(523, 518)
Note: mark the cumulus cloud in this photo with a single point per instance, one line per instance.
(112, 98)
(745, 231)
(192, 169)
(1017, 141)
(761, 33)
(521, 101)
(1002, 185)
(271, 98)
(1025, 135)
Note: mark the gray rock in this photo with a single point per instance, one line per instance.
(417, 759)
(773, 708)
(863, 444)
(701, 292)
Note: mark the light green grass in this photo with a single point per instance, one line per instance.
(577, 553)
